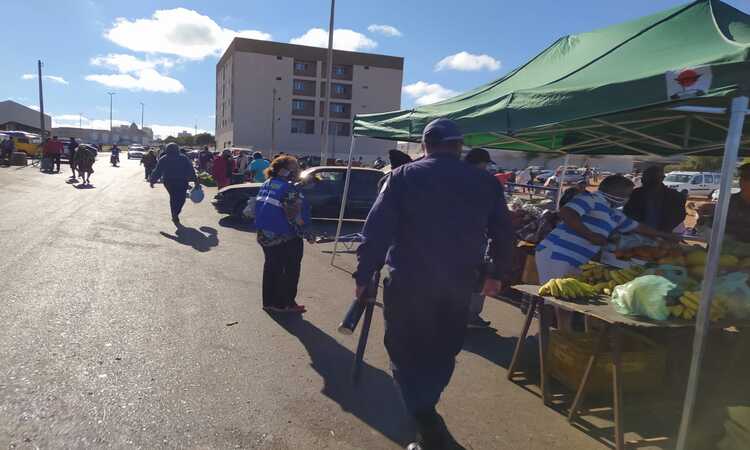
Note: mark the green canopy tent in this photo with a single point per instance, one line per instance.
(672, 83)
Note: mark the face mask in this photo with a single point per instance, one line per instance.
(615, 200)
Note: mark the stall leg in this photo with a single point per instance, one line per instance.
(617, 387)
(581, 392)
(544, 324)
(522, 338)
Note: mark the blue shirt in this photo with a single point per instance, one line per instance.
(430, 222)
(598, 216)
(258, 166)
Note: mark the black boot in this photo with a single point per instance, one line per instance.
(433, 434)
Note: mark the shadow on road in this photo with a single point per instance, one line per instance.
(375, 399)
(85, 186)
(202, 240)
(236, 224)
(495, 348)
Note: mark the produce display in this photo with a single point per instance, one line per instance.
(687, 308)
(568, 289)
(206, 179)
(604, 279)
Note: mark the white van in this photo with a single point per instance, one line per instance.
(693, 183)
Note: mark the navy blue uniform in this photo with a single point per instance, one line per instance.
(428, 226)
(176, 170)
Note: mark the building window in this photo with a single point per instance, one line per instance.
(278, 78)
(339, 71)
(298, 105)
(279, 58)
(338, 108)
(299, 86)
(367, 67)
(365, 87)
(300, 66)
(337, 129)
(339, 89)
(302, 126)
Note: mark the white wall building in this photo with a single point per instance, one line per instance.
(270, 96)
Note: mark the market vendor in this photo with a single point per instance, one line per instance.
(738, 218)
(654, 204)
(587, 221)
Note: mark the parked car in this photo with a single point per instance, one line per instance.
(323, 188)
(693, 183)
(542, 175)
(136, 151)
(735, 189)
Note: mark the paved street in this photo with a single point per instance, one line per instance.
(117, 333)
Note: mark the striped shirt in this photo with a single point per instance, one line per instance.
(598, 216)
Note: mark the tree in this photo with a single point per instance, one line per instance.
(701, 164)
(205, 139)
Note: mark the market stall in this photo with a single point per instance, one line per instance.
(672, 83)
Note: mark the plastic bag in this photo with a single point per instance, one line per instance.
(196, 194)
(734, 290)
(249, 211)
(644, 296)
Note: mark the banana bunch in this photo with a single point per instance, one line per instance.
(688, 307)
(604, 280)
(567, 289)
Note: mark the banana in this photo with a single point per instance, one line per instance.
(544, 289)
(555, 288)
(677, 310)
(689, 302)
(607, 291)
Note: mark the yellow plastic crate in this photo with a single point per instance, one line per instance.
(643, 362)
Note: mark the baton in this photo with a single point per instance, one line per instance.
(361, 305)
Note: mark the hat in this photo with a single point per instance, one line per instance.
(440, 131)
(398, 158)
(478, 156)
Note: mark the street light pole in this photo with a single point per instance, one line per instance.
(80, 120)
(42, 126)
(327, 110)
(110, 116)
(142, 116)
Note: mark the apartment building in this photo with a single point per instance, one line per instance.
(271, 96)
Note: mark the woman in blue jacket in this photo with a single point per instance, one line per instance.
(281, 219)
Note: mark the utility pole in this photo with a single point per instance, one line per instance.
(327, 110)
(42, 126)
(80, 120)
(273, 124)
(110, 116)
(142, 116)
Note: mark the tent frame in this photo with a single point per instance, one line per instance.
(731, 145)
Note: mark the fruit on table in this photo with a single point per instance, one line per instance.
(729, 262)
(697, 258)
(567, 289)
(689, 303)
(602, 277)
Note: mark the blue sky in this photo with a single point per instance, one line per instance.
(163, 53)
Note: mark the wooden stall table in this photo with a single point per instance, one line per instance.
(613, 325)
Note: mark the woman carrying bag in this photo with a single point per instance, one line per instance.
(281, 219)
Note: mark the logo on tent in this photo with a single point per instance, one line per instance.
(688, 82)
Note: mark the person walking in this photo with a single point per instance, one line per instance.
(72, 156)
(257, 168)
(176, 170)
(149, 162)
(282, 218)
(8, 147)
(428, 226)
(53, 149)
(84, 159)
(479, 158)
(222, 169)
(204, 159)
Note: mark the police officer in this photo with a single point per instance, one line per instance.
(430, 220)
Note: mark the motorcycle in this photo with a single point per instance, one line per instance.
(114, 160)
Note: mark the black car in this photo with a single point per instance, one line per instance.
(323, 188)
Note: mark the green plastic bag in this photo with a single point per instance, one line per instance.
(644, 296)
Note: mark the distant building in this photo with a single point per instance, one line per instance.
(17, 117)
(184, 134)
(270, 96)
(121, 135)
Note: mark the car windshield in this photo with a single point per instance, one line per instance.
(678, 178)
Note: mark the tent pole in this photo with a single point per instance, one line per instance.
(344, 198)
(561, 181)
(731, 148)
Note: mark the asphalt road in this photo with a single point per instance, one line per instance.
(115, 332)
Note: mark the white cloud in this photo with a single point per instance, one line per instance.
(160, 131)
(180, 31)
(424, 93)
(54, 78)
(343, 39)
(385, 30)
(34, 107)
(135, 74)
(467, 62)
